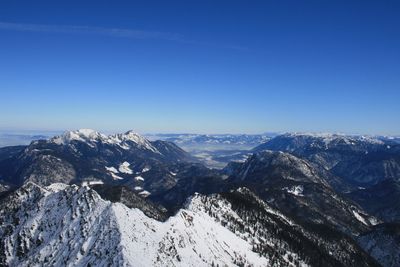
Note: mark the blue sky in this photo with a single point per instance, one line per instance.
(201, 66)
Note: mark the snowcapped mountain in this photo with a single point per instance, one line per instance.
(357, 160)
(135, 202)
(73, 226)
(126, 141)
(85, 154)
(159, 170)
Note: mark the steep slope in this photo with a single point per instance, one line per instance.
(129, 198)
(357, 160)
(294, 186)
(382, 200)
(73, 226)
(70, 225)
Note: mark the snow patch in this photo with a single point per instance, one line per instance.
(144, 193)
(57, 187)
(359, 217)
(124, 168)
(112, 169)
(87, 183)
(139, 178)
(296, 190)
(116, 177)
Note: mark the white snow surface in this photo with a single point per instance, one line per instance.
(112, 169)
(87, 183)
(126, 140)
(116, 177)
(295, 190)
(139, 178)
(124, 168)
(75, 227)
(145, 193)
(328, 138)
(84, 135)
(146, 169)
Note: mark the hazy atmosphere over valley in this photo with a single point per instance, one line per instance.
(200, 133)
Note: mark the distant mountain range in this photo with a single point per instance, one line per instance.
(14, 139)
(216, 150)
(357, 160)
(216, 139)
(85, 198)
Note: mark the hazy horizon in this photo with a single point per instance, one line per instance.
(57, 132)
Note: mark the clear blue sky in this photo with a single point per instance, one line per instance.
(201, 66)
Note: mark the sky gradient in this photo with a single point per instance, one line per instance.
(201, 66)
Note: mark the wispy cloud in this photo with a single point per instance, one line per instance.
(112, 32)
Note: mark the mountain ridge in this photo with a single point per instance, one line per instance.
(84, 229)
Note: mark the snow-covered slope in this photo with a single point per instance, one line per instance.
(62, 225)
(72, 226)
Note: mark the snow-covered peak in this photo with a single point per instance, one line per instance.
(88, 133)
(73, 226)
(89, 136)
(124, 140)
(133, 136)
(329, 138)
(84, 135)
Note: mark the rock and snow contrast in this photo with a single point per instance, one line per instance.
(89, 199)
(75, 227)
(90, 136)
(124, 168)
(355, 160)
(86, 154)
(60, 225)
